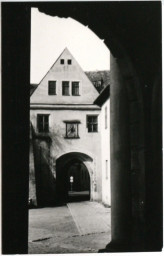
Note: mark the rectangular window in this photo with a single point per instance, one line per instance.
(106, 167)
(51, 87)
(92, 123)
(75, 88)
(65, 88)
(69, 62)
(106, 124)
(62, 61)
(43, 123)
(72, 130)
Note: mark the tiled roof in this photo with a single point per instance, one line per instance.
(32, 88)
(104, 95)
(100, 79)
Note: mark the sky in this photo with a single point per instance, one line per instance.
(50, 36)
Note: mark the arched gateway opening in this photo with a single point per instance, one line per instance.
(130, 100)
(73, 182)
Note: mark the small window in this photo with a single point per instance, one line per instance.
(92, 124)
(72, 130)
(43, 123)
(62, 61)
(69, 62)
(65, 88)
(106, 123)
(75, 88)
(106, 168)
(51, 87)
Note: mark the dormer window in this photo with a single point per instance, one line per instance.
(62, 61)
(51, 87)
(69, 62)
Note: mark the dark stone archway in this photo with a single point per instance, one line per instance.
(132, 31)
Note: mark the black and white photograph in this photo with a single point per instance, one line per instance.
(69, 120)
(82, 127)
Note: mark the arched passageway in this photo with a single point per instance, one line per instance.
(73, 181)
(137, 27)
(78, 181)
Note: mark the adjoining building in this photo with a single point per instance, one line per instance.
(100, 79)
(65, 135)
(104, 119)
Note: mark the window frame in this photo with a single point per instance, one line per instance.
(87, 123)
(63, 88)
(72, 84)
(69, 61)
(62, 60)
(49, 84)
(43, 130)
(77, 129)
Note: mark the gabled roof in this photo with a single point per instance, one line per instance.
(60, 72)
(65, 50)
(33, 88)
(104, 95)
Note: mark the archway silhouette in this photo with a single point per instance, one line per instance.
(137, 27)
(127, 145)
(73, 178)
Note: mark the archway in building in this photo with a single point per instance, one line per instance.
(135, 28)
(73, 182)
(128, 162)
(126, 143)
(78, 181)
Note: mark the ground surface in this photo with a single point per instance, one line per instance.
(79, 227)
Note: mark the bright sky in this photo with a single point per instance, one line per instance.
(49, 37)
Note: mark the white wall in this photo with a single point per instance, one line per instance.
(42, 103)
(105, 153)
(65, 72)
(88, 143)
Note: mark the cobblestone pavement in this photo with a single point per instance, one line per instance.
(82, 227)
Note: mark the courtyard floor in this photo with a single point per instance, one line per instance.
(78, 227)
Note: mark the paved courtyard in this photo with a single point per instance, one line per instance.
(79, 227)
